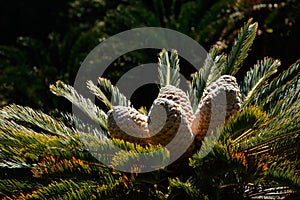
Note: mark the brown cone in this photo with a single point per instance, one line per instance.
(220, 100)
(169, 127)
(128, 124)
(180, 98)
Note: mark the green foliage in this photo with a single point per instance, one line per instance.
(186, 187)
(285, 85)
(168, 70)
(210, 72)
(257, 77)
(240, 48)
(246, 154)
(79, 25)
(86, 105)
(244, 122)
(108, 94)
(46, 156)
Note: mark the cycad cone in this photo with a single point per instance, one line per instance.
(219, 101)
(128, 124)
(171, 121)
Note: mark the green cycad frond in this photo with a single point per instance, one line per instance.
(253, 148)
(168, 69)
(241, 125)
(219, 63)
(290, 100)
(283, 146)
(285, 173)
(280, 131)
(257, 77)
(36, 118)
(275, 177)
(85, 105)
(99, 94)
(211, 71)
(10, 125)
(279, 88)
(51, 166)
(19, 149)
(240, 48)
(80, 127)
(9, 187)
(118, 153)
(64, 189)
(222, 167)
(135, 156)
(108, 94)
(187, 187)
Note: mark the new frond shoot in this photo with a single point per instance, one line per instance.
(168, 69)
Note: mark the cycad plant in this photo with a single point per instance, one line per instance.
(250, 153)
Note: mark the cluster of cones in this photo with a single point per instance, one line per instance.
(171, 121)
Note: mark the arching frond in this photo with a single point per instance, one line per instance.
(85, 105)
(241, 124)
(108, 94)
(52, 167)
(18, 149)
(135, 156)
(8, 187)
(187, 187)
(257, 77)
(36, 118)
(64, 189)
(240, 48)
(279, 88)
(285, 123)
(290, 100)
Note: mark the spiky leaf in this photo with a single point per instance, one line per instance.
(108, 93)
(240, 48)
(168, 70)
(257, 77)
(85, 105)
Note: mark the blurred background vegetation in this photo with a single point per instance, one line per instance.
(43, 41)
